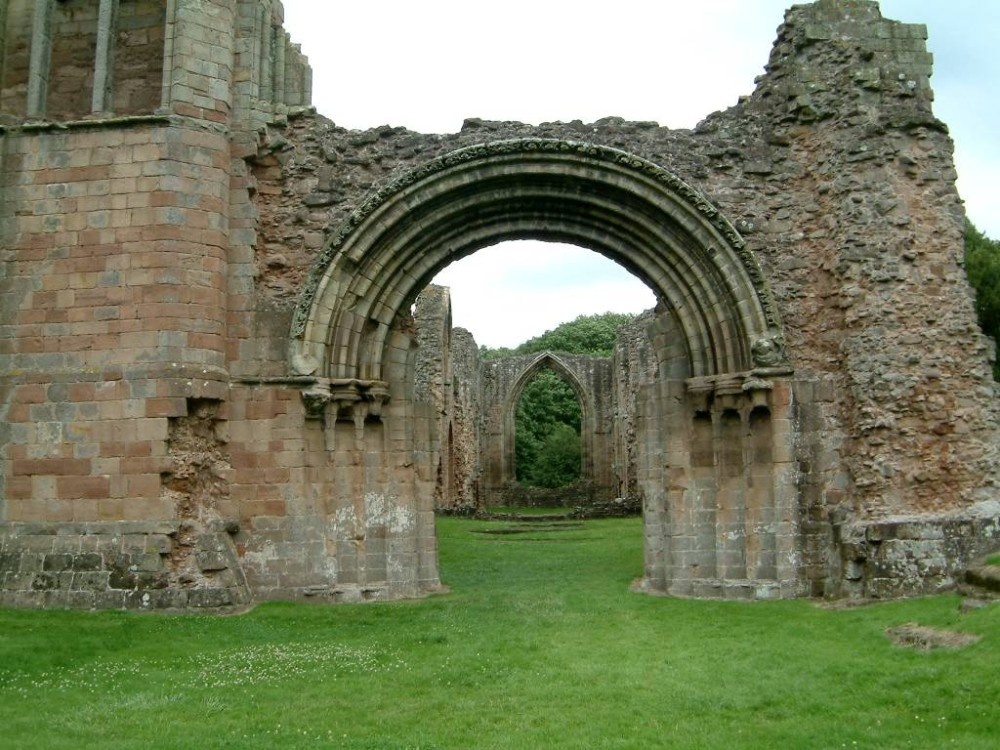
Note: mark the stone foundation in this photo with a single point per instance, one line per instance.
(120, 565)
(888, 559)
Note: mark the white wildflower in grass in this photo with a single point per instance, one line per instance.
(93, 677)
(269, 663)
(255, 664)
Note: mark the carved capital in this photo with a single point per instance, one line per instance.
(315, 398)
(769, 351)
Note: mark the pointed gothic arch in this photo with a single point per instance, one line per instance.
(585, 397)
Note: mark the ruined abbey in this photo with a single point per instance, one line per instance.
(224, 378)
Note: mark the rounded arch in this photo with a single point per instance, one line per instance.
(600, 198)
(530, 368)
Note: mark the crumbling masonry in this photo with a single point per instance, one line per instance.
(213, 389)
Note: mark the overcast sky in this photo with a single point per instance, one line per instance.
(429, 64)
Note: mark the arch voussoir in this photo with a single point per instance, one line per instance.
(653, 223)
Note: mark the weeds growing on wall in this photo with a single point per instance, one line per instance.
(540, 643)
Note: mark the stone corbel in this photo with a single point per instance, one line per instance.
(315, 399)
(734, 390)
(359, 401)
(729, 391)
(759, 391)
(376, 395)
(344, 393)
(701, 394)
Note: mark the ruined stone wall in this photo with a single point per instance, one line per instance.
(464, 452)
(116, 236)
(432, 378)
(867, 260)
(152, 265)
(840, 180)
(648, 349)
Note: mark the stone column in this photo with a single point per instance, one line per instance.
(307, 85)
(280, 44)
(168, 55)
(264, 63)
(3, 40)
(41, 58)
(104, 63)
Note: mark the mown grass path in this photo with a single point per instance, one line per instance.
(539, 644)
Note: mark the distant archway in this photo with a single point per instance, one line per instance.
(588, 422)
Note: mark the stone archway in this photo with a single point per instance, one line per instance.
(606, 200)
(590, 378)
(584, 396)
(350, 336)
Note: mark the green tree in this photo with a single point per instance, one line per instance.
(547, 404)
(587, 334)
(982, 264)
(558, 460)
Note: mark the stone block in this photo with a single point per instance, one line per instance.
(57, 562)
(31, 562)
(109, 600)
(741, 590)
(704, 589)
(94, 581)
(147, 563)
(158, 544)
(210, 598)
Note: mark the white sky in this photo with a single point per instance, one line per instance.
(429, 64)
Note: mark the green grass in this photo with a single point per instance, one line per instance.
(993, 560)
(539, 644)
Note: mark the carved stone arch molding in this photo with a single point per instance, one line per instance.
(600, 198)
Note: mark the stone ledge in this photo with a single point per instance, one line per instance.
(984, 577)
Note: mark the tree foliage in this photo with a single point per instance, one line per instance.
(982, 264)
(587, 334)
(558, 460)
(548, 408)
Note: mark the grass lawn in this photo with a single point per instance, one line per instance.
(539, 644)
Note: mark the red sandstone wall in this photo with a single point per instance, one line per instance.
(114, 306)
(74, 44)
(137, 68)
